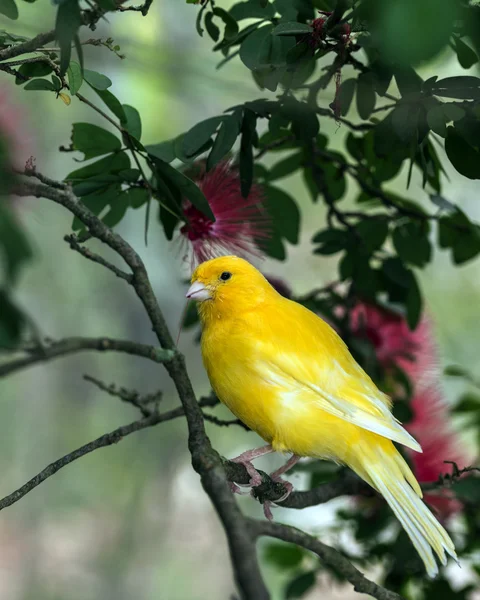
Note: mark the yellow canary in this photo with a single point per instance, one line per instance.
(287, 375)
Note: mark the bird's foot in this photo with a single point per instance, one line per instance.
(287, 484)
(268, 504)
(255, 477)
(235, 489)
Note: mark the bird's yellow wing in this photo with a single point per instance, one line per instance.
(300, 349)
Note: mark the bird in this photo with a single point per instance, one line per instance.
(287, 375)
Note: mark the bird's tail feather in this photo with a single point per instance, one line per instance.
(386, 471)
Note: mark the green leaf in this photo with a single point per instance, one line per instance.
(252, 9)
(185, 187)
(405, 121)
(117, 211)
(468, 489)
(412, 244)
(331, 241)
(9, 9)
(365, 95)
(453, 112)
(68, 21)
(303, 117)
(273, 246)
(409, 32)
(468, 403)
(164, 150)
(466, 56)
(36, 69)
(465, 158)
(413, 303)
(212, 29)
(136, 197)
(286, 167)
(225, 139)
(95, 184)
(300, 585)
(437, 120)
(97, 203)
(284, 213)
(57, 84)
(168, 220)
(291, 28)
(113, 104)
(133, 123)
(199, 134)
(12, 321)
(255, 48)
(249, 131)
(373, 232)
(15, 248)
(345, 95)
(75, 77)
(465, 87)
(96, 80)
(40, 84)
(231, 26)
(284, 556)
(114, 163)
(408, 81)
(467, 246)
(93, 140)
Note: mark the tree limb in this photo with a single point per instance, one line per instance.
(51, 350)
(205, 460)
(75, 245)
(327, 554)
(28, 46)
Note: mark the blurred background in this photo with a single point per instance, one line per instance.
(132, 520)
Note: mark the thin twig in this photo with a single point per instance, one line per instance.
(327, 554)
(225, 422)
(73, 242)
(73, 345)
(129, 396)
(28, 46)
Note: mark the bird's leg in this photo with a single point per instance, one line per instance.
(245, 459)
(267, 506)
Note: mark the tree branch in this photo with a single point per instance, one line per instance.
(327, 554)
(29, 46)
(72, 240)
(205, 460)
(51, 350)
(129, 396)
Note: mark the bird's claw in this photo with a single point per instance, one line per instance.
(235, 489)
(255, 477)
(268, 504)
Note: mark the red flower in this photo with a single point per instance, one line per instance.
(15, 142)
(430, 426)
(415, 353)
(239, 223)
(395, 343)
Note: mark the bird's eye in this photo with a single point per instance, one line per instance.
(225, 276)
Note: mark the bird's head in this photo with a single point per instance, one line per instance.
(227, 283)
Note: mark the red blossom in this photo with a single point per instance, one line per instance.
(431, 427)
(15, 141)
(240, 222)
(415, 353)
(395, 343)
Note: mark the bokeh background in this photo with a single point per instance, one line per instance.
(132, 520)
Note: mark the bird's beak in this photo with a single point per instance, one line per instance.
(198, 291)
